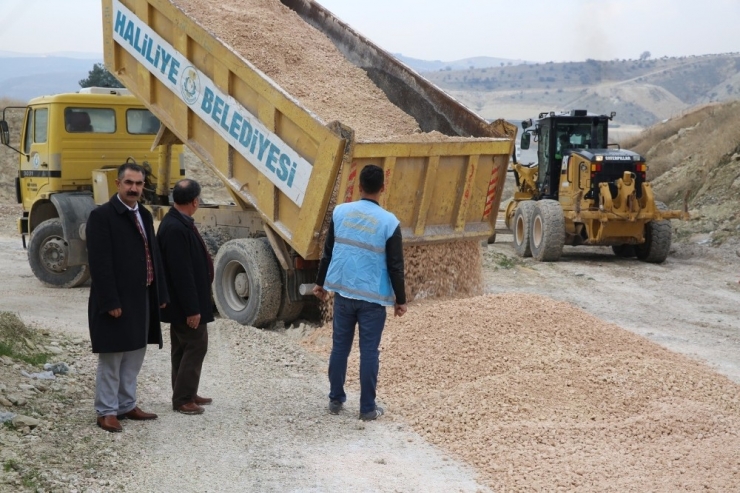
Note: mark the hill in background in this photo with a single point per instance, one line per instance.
(478, 62)
(26, 77)
(642, 92)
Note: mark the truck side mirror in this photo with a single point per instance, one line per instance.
(526, 136)
(4, 133)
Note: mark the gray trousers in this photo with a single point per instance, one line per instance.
(115, 382)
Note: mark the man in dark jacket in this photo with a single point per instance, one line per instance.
(127, 289)
(189, 273)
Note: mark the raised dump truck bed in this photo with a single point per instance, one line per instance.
(281, 160)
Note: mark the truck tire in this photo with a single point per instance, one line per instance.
(522, 224)
(547, 233)
(657, 240)
(247, 286)
(624, 251)
(48, 254)
(289, 310)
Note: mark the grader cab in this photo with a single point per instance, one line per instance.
(585, 191)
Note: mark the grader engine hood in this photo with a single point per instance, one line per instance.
(608, 166)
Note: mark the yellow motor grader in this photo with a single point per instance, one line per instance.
(585, 191)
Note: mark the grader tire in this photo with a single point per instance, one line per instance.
(247, 282)
(624, 251)
(547, 235)
(48, 254)
(522, 227)
(658, 235)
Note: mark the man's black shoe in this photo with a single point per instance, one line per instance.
(372, 415)
(334, 407)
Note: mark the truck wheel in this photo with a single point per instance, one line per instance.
(247, 285)
(547, 235)
(624, 251)
(289, 310)
(521, 229)
(48, 254)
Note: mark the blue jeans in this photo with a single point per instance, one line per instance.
(371, 319)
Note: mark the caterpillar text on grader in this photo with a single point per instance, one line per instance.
(585, 191)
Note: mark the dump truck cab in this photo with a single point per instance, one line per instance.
(585, 191)
(68, 142)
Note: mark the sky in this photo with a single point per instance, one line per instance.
(533, 30)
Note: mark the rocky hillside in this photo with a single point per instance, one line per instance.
(697, 156)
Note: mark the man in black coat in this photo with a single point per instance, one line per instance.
(127, 289)
(189, 273)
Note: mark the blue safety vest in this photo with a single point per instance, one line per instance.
(358, 267)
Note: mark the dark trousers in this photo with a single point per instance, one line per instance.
(370, 317)
(189, 347)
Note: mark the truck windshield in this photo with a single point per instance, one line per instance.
(141, 122)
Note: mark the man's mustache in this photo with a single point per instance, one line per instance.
(132, 194)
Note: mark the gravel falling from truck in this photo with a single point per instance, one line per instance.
(438, 270)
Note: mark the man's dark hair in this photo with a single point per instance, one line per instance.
(185, 191)
(133, 167)
(371, 178)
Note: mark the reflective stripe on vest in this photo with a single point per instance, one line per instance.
(358, 267)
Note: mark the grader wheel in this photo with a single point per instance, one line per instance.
(521, 227)
(547, 236)
(657, 240)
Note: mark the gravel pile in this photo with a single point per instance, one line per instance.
(538, 394)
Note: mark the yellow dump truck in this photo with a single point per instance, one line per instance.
(66, 143)
(285, 168)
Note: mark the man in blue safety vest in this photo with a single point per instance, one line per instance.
(362, 264)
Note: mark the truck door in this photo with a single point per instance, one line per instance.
(34, 168)
(544, 154)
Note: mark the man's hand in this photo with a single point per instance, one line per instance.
(193, 321)
(163, 305)
(115, 313)
(399, 310)
(320, 292)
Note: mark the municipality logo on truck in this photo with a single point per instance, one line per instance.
(284, 167)
(190, 85)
